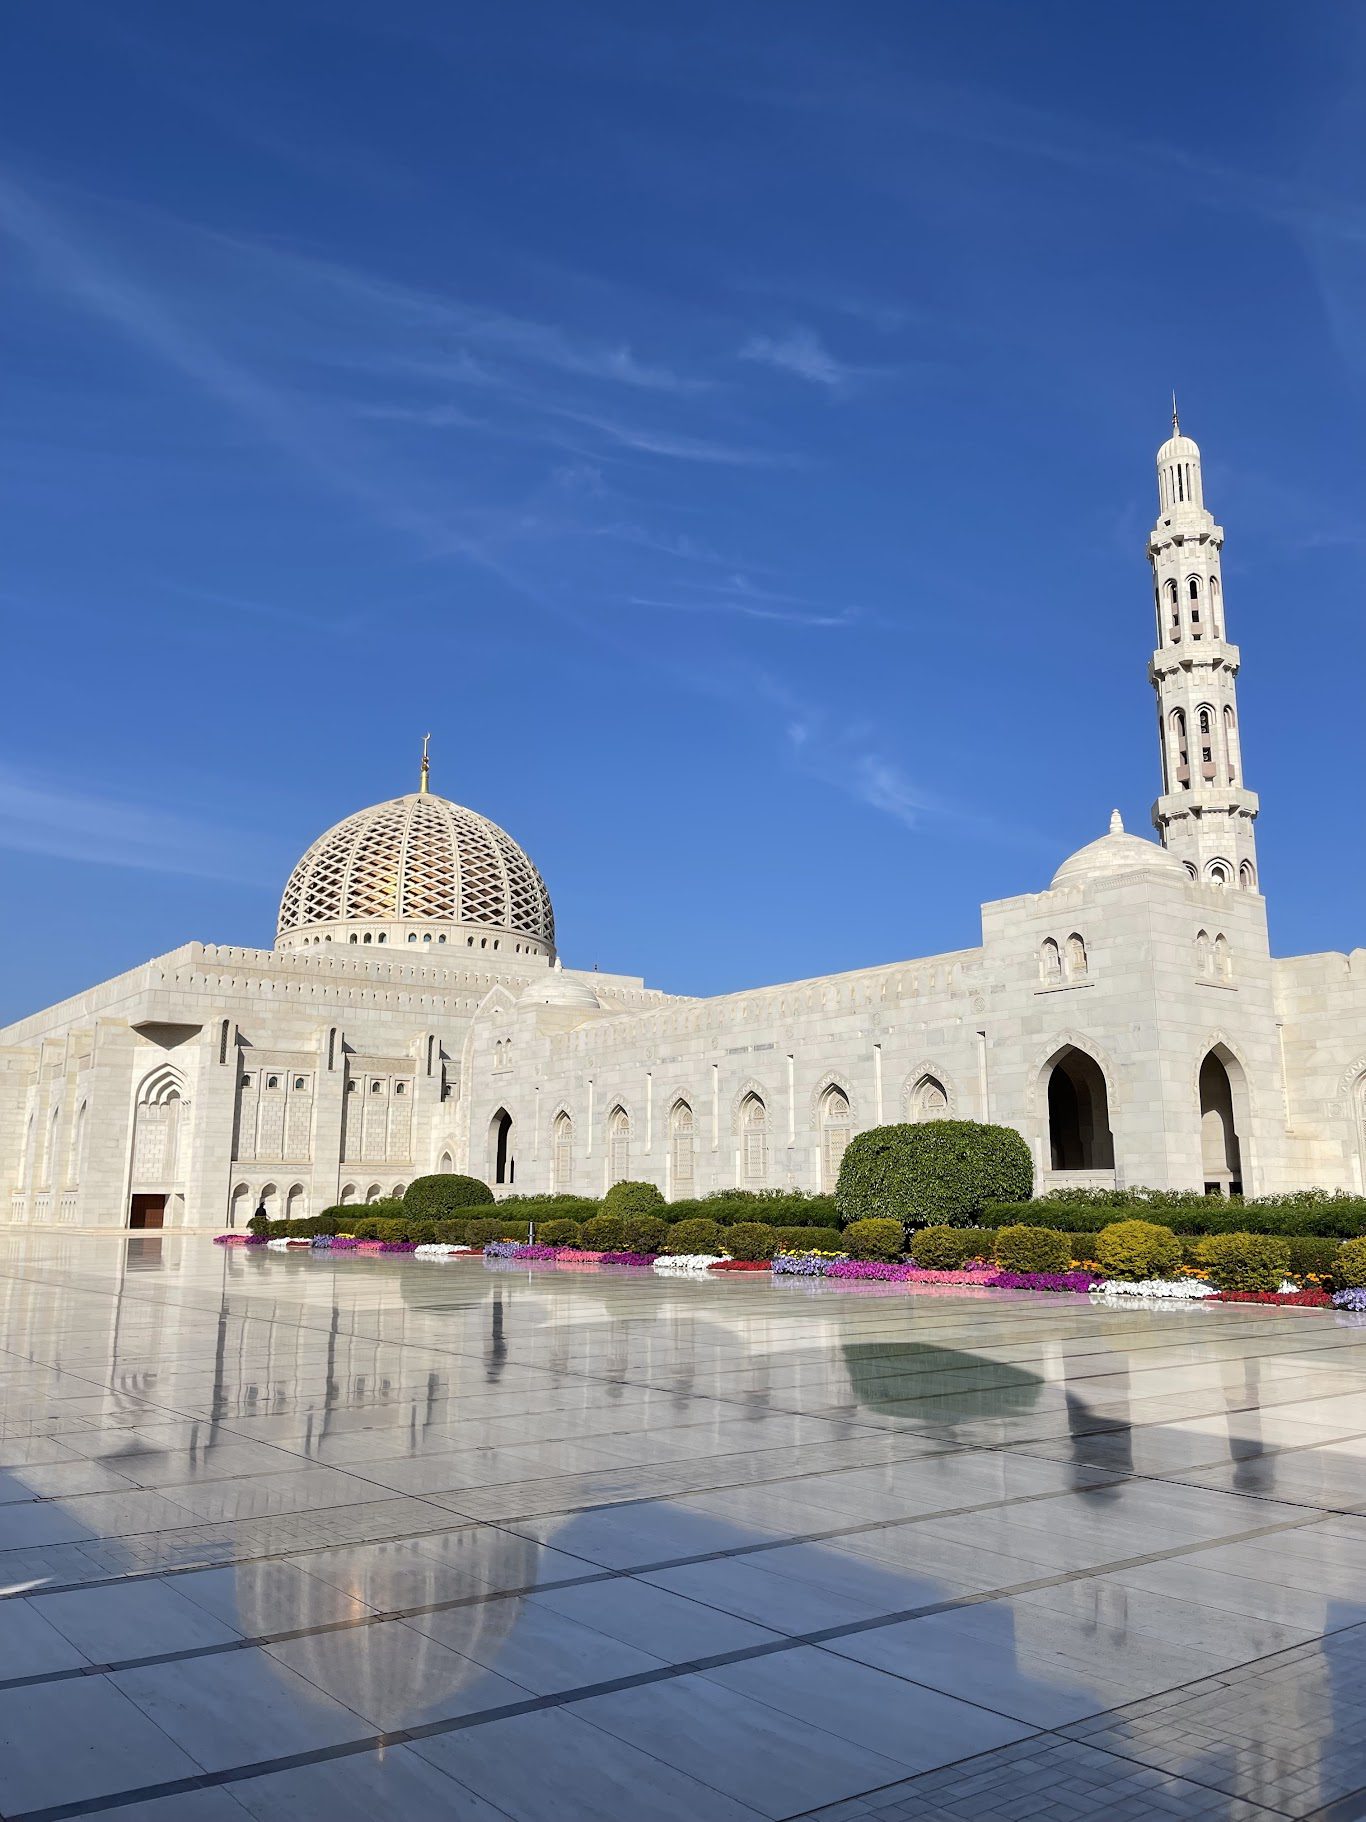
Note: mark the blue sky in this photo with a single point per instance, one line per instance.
(728, 429)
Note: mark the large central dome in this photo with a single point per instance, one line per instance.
(420, 870)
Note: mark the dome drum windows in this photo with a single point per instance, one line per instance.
(1063, 964)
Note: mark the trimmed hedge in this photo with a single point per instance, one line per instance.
(604, 1234)
(559, 1233)
(949, 1249)
(437, 1198)
(1244, 1262)
(1135, 1250)
(630, 1198)
(874, 1238)
(750, 1240)
(775, 1207)
(1033, 1249)
(941, 1172)
(1349, 1268)
(697, 1235)
(642, 1233)
(1308, 1213)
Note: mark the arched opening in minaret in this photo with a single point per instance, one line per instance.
(1221, 1151)
(501, 1158)
(1079, 1136)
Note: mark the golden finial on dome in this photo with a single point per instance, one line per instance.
(426, 764)
(1176, 422)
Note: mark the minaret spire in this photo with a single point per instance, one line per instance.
(426, 765)
(1205, 814)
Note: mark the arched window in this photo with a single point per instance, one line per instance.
(500, 1147)
(1219, 873)
(1076, 957)
(1247, 876)
(1205, 722)
(445, 1164)
(1223, 958)
(1193, 588)
(1231, 742)
(1202, 952)
(563, 1152)
(680, 1145)
(1220, 1148)
(618, 1145)
(239, 1208)
(929, 1099)
(1050, 962)
(348, 1193)
(374, 1192)
(836, 1128)
(1214, 622)
(296, 1203)
(76, 1155)
(1079, 1136)
(753, 1139)
(1189, 865)
(1182, 748)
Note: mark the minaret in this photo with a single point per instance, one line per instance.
(1205, 815)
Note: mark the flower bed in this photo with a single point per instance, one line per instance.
(1171, 1290)
(441, 1249)
(679, 1265)
(815, 1265)
(742, 1265)
(237, 1240)
(1354, 1299)
(1311, 1299)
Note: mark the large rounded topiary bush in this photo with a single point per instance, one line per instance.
(433, 1198)
(937, 1173)
(626, 1199)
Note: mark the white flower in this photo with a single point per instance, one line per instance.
(1172, 1289)
(437, 1249)
(671, 1264)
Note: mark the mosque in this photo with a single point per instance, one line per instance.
(1129, 1020)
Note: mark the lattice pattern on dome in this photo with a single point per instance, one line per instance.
(418, 859)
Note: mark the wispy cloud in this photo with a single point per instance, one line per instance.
(104, 830)
(748, 610)
(677, 445)
(802, 353)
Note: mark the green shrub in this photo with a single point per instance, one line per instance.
(874, 1239)
(1033, 1249)
(696, 1235)
(1349, 1268)
(949, 1249)
(1312, 1254)
(1307, 1213)
(750, 1240)
(432, 1198)
(480, 1229)
(559, 1233)
(809, 1240)
(363, 1228)
(777, 1207)
(451, 1233)
(553, 1204)
(259, 1224)
(1244, 1262)
(938, 1173)
(1134, 1250)
(1081, 1244)
(625, 1199)
(643, 1233)
(604, 1234)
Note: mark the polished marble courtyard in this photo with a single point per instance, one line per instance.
(345, 1538)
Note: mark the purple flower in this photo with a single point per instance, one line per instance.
(868, 1268)
(629, 1258)
(1353, 1299)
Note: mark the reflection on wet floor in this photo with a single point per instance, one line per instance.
(350, 1535)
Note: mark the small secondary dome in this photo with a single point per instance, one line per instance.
(556, 988)
(1113, 854)
(418, 869)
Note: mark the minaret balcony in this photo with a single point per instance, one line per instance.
(1198, 654)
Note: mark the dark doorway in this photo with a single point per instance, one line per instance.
(1079, 1134)
(504, 1164)
(1220, 1149)
(148, 1211)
